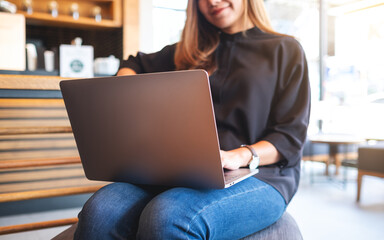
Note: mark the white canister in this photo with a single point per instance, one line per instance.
(49, 60)
(31, 56)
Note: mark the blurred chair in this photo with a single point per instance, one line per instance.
(370, 162)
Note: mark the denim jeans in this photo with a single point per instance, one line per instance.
(127, 211)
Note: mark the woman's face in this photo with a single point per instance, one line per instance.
(224, 14)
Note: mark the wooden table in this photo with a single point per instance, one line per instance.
(333, 141)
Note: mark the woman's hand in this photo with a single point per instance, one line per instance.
(236, 158)
(240, 157)
(125, 71)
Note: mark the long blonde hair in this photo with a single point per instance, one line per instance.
(200, 39)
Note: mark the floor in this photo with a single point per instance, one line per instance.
(323, 208)
(326, 209)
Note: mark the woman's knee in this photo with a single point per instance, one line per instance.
(170, 216)
(113, 210)
(104, 201)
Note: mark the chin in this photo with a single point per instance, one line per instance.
(222, 25)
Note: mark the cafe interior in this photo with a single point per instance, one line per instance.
(42, 42)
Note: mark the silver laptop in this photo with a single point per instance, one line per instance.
(156, 129)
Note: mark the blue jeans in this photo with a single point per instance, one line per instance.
(127, 211)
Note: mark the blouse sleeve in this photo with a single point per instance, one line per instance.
(160, 61)
(289, 118)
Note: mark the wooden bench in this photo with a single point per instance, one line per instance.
(38, 155)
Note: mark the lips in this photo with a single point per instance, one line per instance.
(217, 11)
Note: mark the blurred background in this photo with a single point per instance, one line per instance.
(344, 45)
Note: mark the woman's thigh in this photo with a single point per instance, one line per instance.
(231, 213)
(113, 212)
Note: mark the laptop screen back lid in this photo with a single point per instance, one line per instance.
(146, 129)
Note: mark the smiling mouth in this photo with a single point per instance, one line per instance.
(217, 11)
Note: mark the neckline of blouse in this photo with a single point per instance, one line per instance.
(240, 35)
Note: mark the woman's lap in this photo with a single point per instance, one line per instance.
(180, 213)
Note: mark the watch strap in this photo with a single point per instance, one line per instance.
(255, 160)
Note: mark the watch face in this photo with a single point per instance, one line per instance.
(254, 163)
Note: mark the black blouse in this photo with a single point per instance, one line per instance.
(260, 91)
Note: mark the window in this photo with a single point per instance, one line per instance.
(163, 26)
(354, 82)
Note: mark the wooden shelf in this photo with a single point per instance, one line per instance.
(120, 21)
(47, 19)
(111, 13)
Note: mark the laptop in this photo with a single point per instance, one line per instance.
(156, 129)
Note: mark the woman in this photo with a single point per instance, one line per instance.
(261, 96)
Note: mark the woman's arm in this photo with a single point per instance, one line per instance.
(161, 61)
(288, 118)
(240, 157)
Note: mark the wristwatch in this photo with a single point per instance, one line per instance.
(255, 160)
